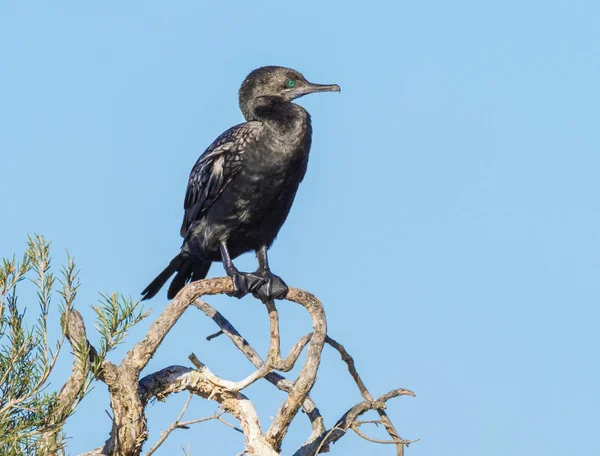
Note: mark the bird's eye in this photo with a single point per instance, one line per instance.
(290, 83)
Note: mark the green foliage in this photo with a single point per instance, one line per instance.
(25, 360)
(114, 316)
(29, 411)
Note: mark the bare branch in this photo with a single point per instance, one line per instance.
(228, 424)
(227, 384)
(178, 378)
(212, 336)
(171, 428)
(129, 395)
(178, 424)
(284, 365)
(347, 420)
(279, 381)
(129, 430)
(137, 358)
(324, 442)
(355, 427)
(308, 374)
(387, 423)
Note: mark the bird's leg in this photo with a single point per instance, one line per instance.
(273, 287)
(243, 282)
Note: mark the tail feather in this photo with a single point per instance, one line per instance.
(162, 278)
(181, 278)
(200, 270)
(191, 270)
(187, 269)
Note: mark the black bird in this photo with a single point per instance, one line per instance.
(241, 189)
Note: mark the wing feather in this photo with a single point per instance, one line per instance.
(217, 166)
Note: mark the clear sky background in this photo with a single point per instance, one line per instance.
(449, 220)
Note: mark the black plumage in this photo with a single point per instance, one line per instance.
(241, 189)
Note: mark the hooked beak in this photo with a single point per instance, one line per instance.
(312, 88)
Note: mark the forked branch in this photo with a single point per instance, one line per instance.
(130, 395)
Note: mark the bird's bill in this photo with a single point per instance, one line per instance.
(323, 88)
(313, 88)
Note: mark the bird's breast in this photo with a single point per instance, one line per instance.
(271, 173)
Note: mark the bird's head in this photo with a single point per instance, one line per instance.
(273, 81)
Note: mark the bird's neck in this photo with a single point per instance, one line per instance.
(280, 114)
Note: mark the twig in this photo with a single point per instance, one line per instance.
(212, 336)
(227, 423)
(355, 428)
(375, 422)
(177, 424)
(324, 441)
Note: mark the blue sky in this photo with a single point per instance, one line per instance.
(449, 220)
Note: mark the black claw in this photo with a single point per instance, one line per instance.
(272, 288)
(240, 286)
(244, 283)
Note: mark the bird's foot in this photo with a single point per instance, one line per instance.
(244, 283)
(273, 287)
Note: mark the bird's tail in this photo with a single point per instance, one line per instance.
(187, 269)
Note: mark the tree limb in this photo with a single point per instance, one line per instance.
(70, 393)
(347, 420)
(129, 430)
(279, 381)
(356, 428)
(387, 423)
(204, 383)
(129, 395)
(178, 424)
(308, 374)
(234, 387)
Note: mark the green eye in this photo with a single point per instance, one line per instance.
(290, 83)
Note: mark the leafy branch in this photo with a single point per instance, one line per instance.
(31, 415)
(114, 316)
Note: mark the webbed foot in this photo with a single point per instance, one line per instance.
(273, 287)
(244, 283)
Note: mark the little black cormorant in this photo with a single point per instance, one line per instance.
(241, 189)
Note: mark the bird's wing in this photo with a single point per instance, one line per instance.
(215, 168)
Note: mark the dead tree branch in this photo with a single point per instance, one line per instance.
(387, 423)
(308, 374)
(129, 395)
(204, 383)
(321, 445)
(356, 428)
(178, 424)
(129, 430)
(309, 407)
